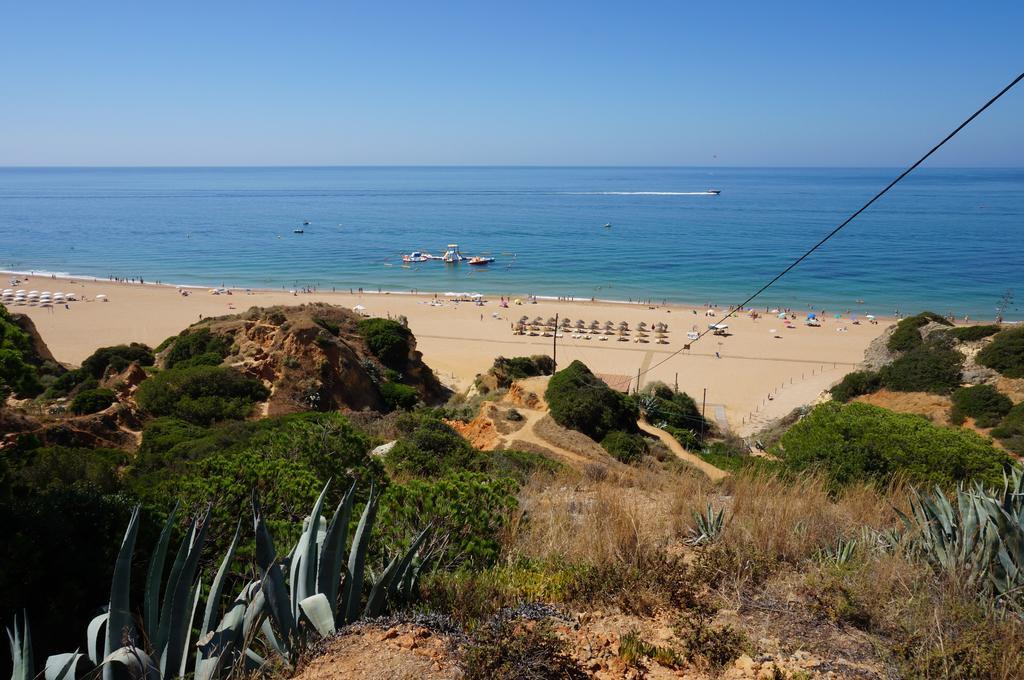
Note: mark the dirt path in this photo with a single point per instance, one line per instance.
(713, 473)
(527, 434)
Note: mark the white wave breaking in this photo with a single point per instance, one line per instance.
(639, 193)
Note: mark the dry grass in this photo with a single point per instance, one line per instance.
(604, 518)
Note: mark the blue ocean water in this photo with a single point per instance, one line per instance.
(945, 239)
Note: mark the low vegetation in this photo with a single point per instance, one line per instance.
(507, 370)
(984, 403)
(91, 401)
(859, 442)
(388, 340)
(930, 367)
(973, 333)
(907, 335)
(674, 411)
(856, 384)
(581, 401)
(626, 447)
(1005, 353)
(1010, 430)
(200, 394)
(195, 347)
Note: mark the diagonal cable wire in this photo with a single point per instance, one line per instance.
(835, 231)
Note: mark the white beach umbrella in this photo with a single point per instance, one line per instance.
(359, 308)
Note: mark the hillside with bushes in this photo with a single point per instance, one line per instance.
(972, 370)
(248, 529)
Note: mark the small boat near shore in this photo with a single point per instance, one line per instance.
(478, 260)
(417, 256)
(298, 231)
(713, 192)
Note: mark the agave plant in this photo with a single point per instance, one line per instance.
(978, 540)
(709, 526)
(841, 554)
(315, 568)
(286, 613)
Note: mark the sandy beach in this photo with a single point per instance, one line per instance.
(751, 376)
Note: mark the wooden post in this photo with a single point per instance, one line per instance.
(554, 347)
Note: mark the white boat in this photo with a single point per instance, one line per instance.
(417, 256)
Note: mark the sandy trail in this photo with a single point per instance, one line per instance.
(714, 474)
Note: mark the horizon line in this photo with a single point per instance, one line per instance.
(492, 165)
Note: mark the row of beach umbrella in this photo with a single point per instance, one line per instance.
(21, 296)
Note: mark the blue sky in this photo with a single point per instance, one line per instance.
(547, 83)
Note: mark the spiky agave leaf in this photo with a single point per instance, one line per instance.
(67, 666)
(183, 604)
(155, 574)
(386, 587)
(357, 558)
(95, 637)
(304, 557)
(319, 613)
(20, 642)
(119, 622)
(273, 585)
(217, 587)
(332, 551)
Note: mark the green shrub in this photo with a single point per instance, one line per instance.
(468, 511)
(117, 358)
(927, 368)
(664, 406)
(907, 335)
(624, 446)
(398, 396)
(508, 370)
(973, 333)
(197, 347)
(856, 442)
(1010, 431)
(286, 458)
(688, 439)
(1005, 353)
(329, 326)
(725, 455)
(430, 448)
(91, 401)
(200, 394)
(855, 384)
(984, 403)
(581, 401)
(17, 376)
(519, 465)
(387, 339)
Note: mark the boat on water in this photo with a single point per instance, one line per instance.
(478, 260)
(417, 256)
(298, 231)
(306, 222)
(608, 225)
(713, 192)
